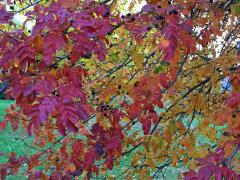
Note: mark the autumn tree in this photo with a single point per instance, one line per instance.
(93, 85)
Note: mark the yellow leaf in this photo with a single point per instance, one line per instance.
(156, 142)
(212, 134)
(142, 173)
(179, 85)
(138, 60)
(203, 153)
(193, 154)
(135, 160)
(15, 63)
(235, 9)
(150, 164)
(108, 98)
(125, 119)
(1, 26)
(174, 159)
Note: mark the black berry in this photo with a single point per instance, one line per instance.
(175, 11)
(149, 28)
(106, 14)
(159, 17)
(156, 25)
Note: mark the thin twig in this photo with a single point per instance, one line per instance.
(9, 35)
(232, 155)
(30, 5)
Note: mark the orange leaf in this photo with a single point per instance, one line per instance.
(38, 43)
(164, 43)
(68, 3)
(70, 168)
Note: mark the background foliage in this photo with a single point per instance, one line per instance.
(129, 95)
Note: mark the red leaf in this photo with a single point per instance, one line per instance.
(109, 162)
(89, 159)
(77, 148)
(39, 113)
(53, 42)
(33, 161)
(191, 175)
(234, 100)
(146, 124)
(3, 125)
(228, 173)
(113, 143)
(3, 173)
(206, 172)
(5, 17)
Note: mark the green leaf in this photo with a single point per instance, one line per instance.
(163, 67)
(158, 69)
(235, 9)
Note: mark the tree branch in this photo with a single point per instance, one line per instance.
(30, 5)
(4, 87)
(232, 155)
(227, 4)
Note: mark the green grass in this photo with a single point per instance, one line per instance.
(10, 141)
